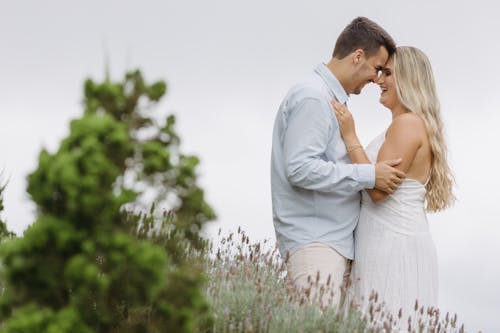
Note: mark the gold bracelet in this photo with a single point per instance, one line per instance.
(353, 147)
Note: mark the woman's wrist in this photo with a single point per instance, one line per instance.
(351, 140)
(351, 148)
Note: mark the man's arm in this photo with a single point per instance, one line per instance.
(305, 143)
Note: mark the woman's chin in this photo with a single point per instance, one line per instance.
(382, 101)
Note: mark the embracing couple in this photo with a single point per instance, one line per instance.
(337, 204)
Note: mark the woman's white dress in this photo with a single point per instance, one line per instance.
(394, 251)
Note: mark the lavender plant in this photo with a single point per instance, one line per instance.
(249, 292)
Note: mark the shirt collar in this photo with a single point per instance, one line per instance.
(332, 83)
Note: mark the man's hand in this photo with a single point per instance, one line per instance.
(387, 177)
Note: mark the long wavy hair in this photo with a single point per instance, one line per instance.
(416, 90)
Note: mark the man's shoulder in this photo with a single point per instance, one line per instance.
(311, 89)
(308, 88)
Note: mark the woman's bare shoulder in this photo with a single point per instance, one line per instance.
(407, 124)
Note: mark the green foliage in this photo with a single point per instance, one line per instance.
(95, 260)
(76, 182)
(29, 318)
(157, 160)
(4, 232)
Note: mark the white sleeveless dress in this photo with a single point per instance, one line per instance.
(394, 251)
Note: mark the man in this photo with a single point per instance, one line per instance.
(315, 188)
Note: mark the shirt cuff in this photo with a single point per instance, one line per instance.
(366, 175)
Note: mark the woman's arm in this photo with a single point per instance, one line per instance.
(402, 141)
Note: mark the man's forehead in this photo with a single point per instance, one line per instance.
(382, 58)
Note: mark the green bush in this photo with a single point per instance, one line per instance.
(95, 260)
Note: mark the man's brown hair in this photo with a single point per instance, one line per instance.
(363, 33)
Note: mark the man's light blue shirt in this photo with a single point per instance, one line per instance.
(315, 188)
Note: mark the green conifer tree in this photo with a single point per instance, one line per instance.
(94, 261)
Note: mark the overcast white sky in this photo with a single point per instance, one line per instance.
(228, 64)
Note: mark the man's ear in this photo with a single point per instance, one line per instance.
(357, 55)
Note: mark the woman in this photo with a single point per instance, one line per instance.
(394, 252)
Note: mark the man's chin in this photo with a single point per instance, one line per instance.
(357, 90)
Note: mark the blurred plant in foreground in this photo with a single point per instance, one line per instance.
(4, 232)
(95, 260)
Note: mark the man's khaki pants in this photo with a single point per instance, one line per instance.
(315, 266)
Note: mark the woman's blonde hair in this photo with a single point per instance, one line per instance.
(417, 92)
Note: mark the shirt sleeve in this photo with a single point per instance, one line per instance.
(309, 127)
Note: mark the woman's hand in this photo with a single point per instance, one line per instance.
(345, 120)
